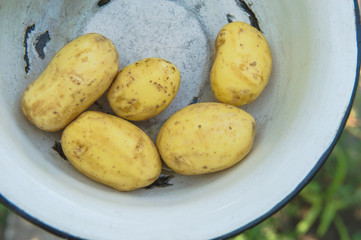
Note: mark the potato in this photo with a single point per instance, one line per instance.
(74, 79)
(206, 137)
(242, 64)
(111, 150)
(144, 89)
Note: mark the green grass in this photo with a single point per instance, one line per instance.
(3, 214)
(329, 207)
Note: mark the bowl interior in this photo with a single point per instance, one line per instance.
(298, 115)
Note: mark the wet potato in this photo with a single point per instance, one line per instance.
(242, 64)
(74, 79)
(206, 137)
(111, 151)
(144, 89)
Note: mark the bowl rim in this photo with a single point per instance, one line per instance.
(22, 213)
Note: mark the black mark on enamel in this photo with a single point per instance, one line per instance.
(41, 42)
(57, 147)
(230, 18)
(199, 6)
(251, 15)
(101, 3)
(194, 100)
(28, 30)
(162, 181)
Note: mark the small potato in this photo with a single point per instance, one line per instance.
(242, 64)
(144, 89)
(206, 137)
(111, 150)
(74, 79)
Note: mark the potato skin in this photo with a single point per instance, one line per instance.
(111, 151)
(74, 79)
(206, 137)
(242, 64)
(144, 89)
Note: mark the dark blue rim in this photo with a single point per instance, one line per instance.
(34, 220)
(276, 208)
(324, 156)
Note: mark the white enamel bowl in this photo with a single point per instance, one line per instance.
(300, 114)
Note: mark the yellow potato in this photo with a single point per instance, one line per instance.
(206, 137)
(144, 89)
(111, 150)
(242, 64)
(74, 79)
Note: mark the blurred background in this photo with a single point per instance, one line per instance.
(329, 207)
